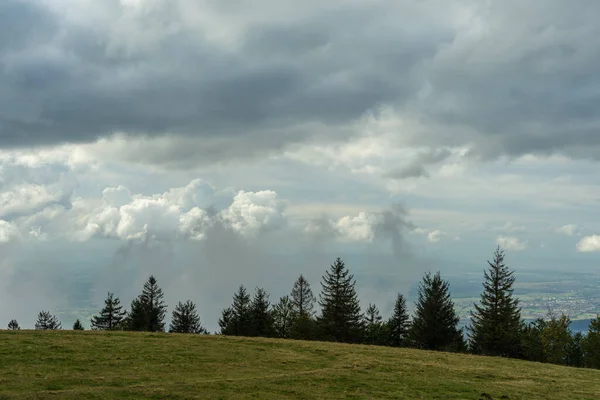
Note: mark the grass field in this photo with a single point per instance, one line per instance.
(94, 365)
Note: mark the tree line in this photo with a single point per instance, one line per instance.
(496, 327)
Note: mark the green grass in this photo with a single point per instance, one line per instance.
(95, 365)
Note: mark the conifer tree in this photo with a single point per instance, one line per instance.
(306, 328)
(110, 317)
(340, 319)
(242, 313)
(262, 318)
(575, 351)
(185, 319)
(238, 320)
(591, 344)
(434, 326)
(47, 321)
(148, 309)
(374, 327)
(556, 339)
(13, 325)
(496, 321)
(284, 316)
(531, 340)
(226, 322)
(302, 297)
(398, 324)
(77, 326)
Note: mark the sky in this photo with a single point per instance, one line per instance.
(217, 143)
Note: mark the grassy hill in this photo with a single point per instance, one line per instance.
(94, 365)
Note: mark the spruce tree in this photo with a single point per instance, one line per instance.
(302, 297)
(148, 309)
(496, 321)
(111, 316)
(77, 326)
(284, 316)
(185, 319)
(398, 324)
(434, 326)
(13, 325)
(340, 319)
(591, 344)
(262, 318)
(374, 326)
(47, 321)
(241, 318)
(226, 322)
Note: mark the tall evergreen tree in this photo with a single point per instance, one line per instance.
(284, 316)
(302, 297)
(398, 324)
(148, 309)
(496, 321)
(238, 319)
(77, 326)
(340, 319)
(242, 312)
(185, 319)
(110, 316)
(47, 321)
(13, 325)
(434, 326)
(262, 318)
(374, 326)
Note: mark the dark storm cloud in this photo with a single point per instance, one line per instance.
(504, 78)
(63, 82)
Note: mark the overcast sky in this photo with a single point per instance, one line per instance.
(219, 142)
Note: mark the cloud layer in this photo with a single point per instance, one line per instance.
(229, 81)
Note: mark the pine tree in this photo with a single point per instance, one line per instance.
(185, 319)
(434, 326)
(340, 319)
(111, 316)
(302, 297)
(398, 324)
(47, 321)
(148, 309)
(262, 319)
(13, 325)
(77, 326)
(284, 316)
(496, 321)
(374, 326)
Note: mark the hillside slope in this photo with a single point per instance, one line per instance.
(95, 365)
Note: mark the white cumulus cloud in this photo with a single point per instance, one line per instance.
(511, 243)
(589, 244)
(252, 212)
